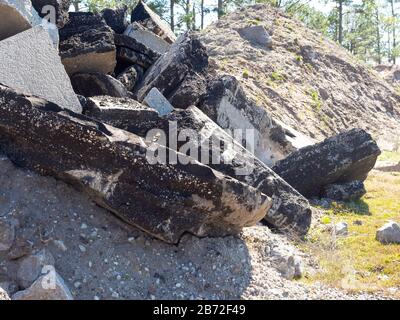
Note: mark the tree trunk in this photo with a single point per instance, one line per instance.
(194, 16)
(76, 5)
(378, 35)
(389, 49)
(220, 9)
(171, 12)
(202, 14)
(340, 37)
(393, 33)
(187, 12)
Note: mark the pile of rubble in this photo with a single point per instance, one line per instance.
(91, 112)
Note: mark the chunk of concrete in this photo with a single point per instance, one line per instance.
(98, 84)
(123, 113)
(21, 247)
(256, 35)
(157, 101)
(18, 15)
(116, 18)
(128, 77)
(344, 191)
(47, 287)
(341, 229)
(120, 171)
(33, 266)
(3, 294)
(152, 21)
(147, 38)
(132, 52)
(389, 233)
(290, 212)
(30, 64)
(179, 74)
(343, 158)
(87, 44)
(7, 234)
(61, 7)
(227, 104)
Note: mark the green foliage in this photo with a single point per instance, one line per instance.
(246, 73)
(276, 76)
(253, 22)
(299, 58)
(326, 220)
(317, 104)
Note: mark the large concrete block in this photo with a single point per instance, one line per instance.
(18, 15)
(61, 8)
(343, 158)
(87, 44)
(147, 38)
(29, 63)
(152, 21)
(117, 169)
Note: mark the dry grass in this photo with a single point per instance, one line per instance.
(390, 156)
(357, 261)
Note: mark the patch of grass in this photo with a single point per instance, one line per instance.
(276, 76)
(299, 58)
(317, 103)
(246, 73)
(254, 22)
(390, 156)
(358, 261)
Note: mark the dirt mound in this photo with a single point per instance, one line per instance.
(304, 80)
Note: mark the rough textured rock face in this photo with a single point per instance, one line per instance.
(179, 74)
(226, 103)
(39, 290)
(131, 51)
(29, 63)
(116, 172)
(305, 81)
(256, 35)
(7, 234)
(19, 15)
(343, 158)
(87, 44)
(31, 267)
(150, 20)
(341, 229)
(344, 191)
(183, 76)
(3, 295)
(126, 114)
(16, 16)
(116, 19)
(147, 38)
(128, 77)
(389, 233)
(61, 7)
(98, 84)
(290, 211)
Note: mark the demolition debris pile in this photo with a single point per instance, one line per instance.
(82, 113)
